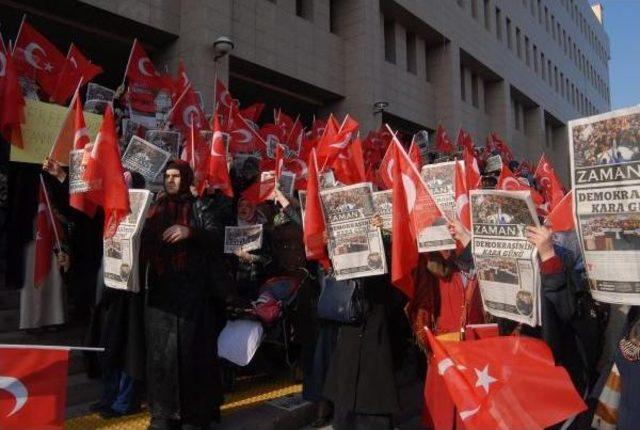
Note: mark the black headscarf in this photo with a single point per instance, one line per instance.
(186, 176)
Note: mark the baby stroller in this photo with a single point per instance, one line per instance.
(266, 320)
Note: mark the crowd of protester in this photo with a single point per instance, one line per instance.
(160, 343)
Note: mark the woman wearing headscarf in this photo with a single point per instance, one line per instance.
(182, 243)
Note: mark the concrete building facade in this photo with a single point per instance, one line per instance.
(522, 68)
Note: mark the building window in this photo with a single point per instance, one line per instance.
(475, 95)
(546, 18)
(518, 42)
(555, 78)
(527, 52)
(558, 32)
(562, 84)
(487, 15)
(333, 16)
(463, 84)
(304, 9)
(539, 12)
(474, 8)
(549, 69)
(411, 52)
(535, 59)
(553, 27)
(390, 41)
(498, 23)
(542, 65)
(509, 36)
(427, 63)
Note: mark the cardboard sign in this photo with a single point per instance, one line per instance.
(42, 125)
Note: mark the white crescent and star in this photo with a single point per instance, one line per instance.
(409, 192)
(28, 54)
(186, 116)
(74, 62)
(507, 184)
(141, 67)
(217, 136)
(389, 169)
(17, 389)
(246, 135)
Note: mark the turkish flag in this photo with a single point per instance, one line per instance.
(196, 152)
(335, 139)
(218, 174)
(508, 181)
(80, 200)
(314, 226)
(404, 248)
(462, 197)
(260, 190)
(11, 99)
(244, 138)
(561, 216)
(38, 59)
(552, 189)
(187, 109)
(422, 208)
(64, 141)
(496, 142)
(144, 81)
(464, 140)
(385, 170)
(223, 100)
(33, 388)
(471, 170)
(77, 69)
(348, 167)
(44, 240)
(508, 382)
(414, 154)
(443, 143)
(105, 175)
(181, 81)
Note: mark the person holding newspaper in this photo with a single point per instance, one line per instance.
(182, 244)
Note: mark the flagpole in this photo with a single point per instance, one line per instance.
(73, 99)
(53, 223)
(176, 103)
(52, 347)
(193, 146)
(128, 63)
(24, 18)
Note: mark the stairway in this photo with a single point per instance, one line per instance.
(81, 391)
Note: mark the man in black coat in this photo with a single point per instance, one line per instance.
(182, 244)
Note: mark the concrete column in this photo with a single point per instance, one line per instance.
(361, 23)
(201, 23)
(499, 102)
(534, 131)
(446, 84)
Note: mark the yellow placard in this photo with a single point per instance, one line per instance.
(41, 128)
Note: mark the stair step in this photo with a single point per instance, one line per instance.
(9, 299)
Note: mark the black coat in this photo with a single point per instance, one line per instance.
(182, 317)
(361, 373)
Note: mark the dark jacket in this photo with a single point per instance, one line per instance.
(360, 378)
(181, 321)
(629, 408)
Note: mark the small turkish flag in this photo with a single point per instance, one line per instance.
(11, 99)
(77, 69)
(508, 181)
(218, 173)
(462, 197)
(314, 225)
(33, 386)
(38, 58)
(471, 170)
(443, 143)
(552, 188)
(508, 382)
(186, 110)
(561, 216)
(414, 154)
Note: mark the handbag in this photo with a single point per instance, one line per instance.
(341, 301)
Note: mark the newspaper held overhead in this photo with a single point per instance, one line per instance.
(355, 247)
(242, 238)
(145, 158)
(165, 139)
(505, 262)
(605, 176)
(383, 202)
(120, 261)
(440, 179)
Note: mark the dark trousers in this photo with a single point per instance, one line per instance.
(120, 392)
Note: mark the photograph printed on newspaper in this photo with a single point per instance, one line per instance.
(145, 158)
(76, 172)
(242, 238)
(605, 176)
(440, 179)
(120, 262)
(165, 139)
(505, 262)
(355, 247)
(383, 202)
